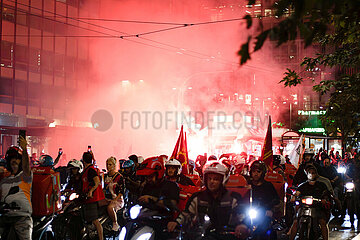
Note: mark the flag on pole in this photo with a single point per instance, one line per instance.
(267, 153)
(180, 151)
(297, 152)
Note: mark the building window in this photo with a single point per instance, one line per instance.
(47, 61)
(21, 54)
(6, 50)
(8, 13)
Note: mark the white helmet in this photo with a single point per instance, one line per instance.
(175, 163)
(309, 151)
(76, 164)
(216, 167)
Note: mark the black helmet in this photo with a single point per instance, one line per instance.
(212, 157)
(13, 152)
(260, 165)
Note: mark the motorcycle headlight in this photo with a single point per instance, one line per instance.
(62, 198)
(341, 169)
(134, 211)
(73, 196)
(144, 236)
(350, 186)
(252, 213)
(307, 201)
(206, 218)
(122, 233)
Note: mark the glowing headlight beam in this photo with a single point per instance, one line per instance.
(134, 211)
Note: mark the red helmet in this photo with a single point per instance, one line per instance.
(150, 166)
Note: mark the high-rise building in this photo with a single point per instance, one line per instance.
(43, 64)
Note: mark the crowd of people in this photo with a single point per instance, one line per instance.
(158, 181)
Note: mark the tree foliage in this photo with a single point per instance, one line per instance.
(335, 25)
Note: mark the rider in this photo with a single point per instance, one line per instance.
(46, 160)
(312, 187)
(173, 173)
(264, 194)
(92, 188)
(215, 204)
(300, 175)
(132, 182)
(76, 167)
(19, 183)
(156, 189)
(114, 189)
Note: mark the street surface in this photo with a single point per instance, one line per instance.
(343, 230)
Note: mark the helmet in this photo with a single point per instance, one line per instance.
(46, 161)
(218, 168)
(192, 163)
(128, 164)
(276, 159)
(175, 163)
(227, 163)
(212, 157)
(310, 166)
(13, 152)
(76, 164)
(258, 165)
(150, 166)
(309, 151)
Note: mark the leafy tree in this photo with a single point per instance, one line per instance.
(335, 25)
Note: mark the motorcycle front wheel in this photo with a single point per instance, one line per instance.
(304, 231)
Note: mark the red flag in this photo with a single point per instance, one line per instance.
(267, 153)
(180, 151)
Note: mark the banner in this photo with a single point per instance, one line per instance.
(267, 153)
(296, 154)
(180, 151)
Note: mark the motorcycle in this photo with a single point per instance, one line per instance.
(350, 200)
(148, 221)
(70, 225)
(308, 226)
(41, 225)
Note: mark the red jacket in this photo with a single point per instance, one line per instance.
(98, 194)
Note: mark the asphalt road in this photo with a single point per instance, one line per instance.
(343, 230)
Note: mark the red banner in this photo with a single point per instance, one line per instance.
(180, 151)
(267, 153)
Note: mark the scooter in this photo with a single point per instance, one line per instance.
(149, 222)
(70, 225)
(350, 200)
